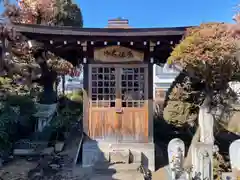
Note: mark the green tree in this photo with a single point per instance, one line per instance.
(34, 64)
(208, 55)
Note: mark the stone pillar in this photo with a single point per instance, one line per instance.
(206, 121)
(202, 152)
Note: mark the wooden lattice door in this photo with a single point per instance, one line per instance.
(118, 103)
(102, 114)
(134, 103)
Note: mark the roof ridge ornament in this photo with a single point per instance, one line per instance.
(118, 23)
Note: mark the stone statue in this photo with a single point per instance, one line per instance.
(202, 156)
(176, 152)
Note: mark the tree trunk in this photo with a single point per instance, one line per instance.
(47, 80)
(63, 85)
(49, 95)
(188, 159)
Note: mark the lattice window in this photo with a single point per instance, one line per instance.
(103, 87)
(132, 87)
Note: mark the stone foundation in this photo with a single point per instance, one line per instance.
(94, 152)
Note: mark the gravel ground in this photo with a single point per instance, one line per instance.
(28, 170)
(17, 170)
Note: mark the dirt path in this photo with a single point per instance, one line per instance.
(18, 169)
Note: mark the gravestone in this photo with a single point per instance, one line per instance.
(234, 161)
(235, 86)
(176, 152)
(234, 153)
(227, 176)
(45, 114)
(202, 159)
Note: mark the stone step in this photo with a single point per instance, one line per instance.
(119, 156)
(106, 171)
(117, 167)
(118, 176)
(118, 153)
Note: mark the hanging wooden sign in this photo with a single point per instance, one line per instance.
(117, 54)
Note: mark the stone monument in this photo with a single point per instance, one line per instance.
(234, 153)
(176, 152)
(44, 114)
(202, 152)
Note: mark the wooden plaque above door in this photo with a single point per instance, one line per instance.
(117, 54)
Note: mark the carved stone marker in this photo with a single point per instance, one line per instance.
(228, 176)
(176, 152)
(202, 159)
(44, 115)
(234, 154)
(235, 175)
(235, 86)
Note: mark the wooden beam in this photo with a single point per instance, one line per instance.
(151, 46)
(58, 30)
(84, 46)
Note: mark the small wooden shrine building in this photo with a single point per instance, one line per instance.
(118, 82)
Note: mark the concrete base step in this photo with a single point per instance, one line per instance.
(119, 156)
(106, 171)
(117, 167)
(107, 150)
(119, 176)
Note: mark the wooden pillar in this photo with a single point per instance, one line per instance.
(85, 91)
(150, 93)
(150, 103)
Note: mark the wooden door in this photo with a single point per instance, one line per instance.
(102, 111)
(118, 102)
(134, 103)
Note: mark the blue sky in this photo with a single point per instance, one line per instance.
(156, 13)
